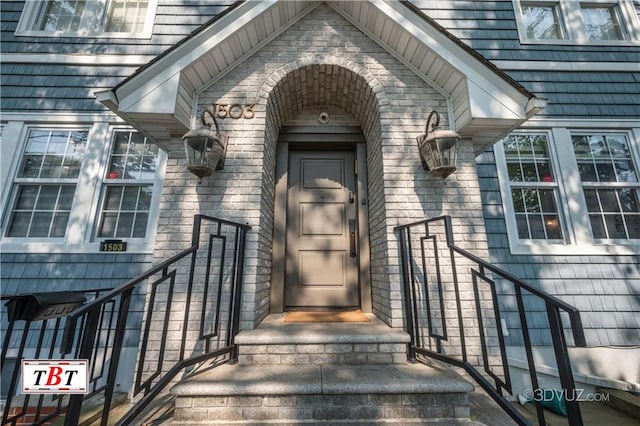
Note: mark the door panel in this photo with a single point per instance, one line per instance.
(321, 264)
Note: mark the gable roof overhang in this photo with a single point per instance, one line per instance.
(485, 103)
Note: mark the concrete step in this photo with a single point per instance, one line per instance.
(331, 394)
(275, 342)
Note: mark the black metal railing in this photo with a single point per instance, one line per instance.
(456, 306)
(179, 321)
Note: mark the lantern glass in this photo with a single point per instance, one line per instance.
(203, 152)
(439, 152)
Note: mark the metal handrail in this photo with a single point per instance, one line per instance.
(410, 266)
(109, 314)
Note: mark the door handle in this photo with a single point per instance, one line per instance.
(352, 237)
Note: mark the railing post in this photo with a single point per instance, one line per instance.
(237, 296)
(74, 409)
(408, 311)
(564, 365)
(121, 323)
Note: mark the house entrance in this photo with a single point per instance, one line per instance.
(320, 231)
(321, 237)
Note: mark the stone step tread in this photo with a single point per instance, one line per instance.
(422, 422)
(244, 380)
(274, 331)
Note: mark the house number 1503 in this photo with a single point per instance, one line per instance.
(235, 111)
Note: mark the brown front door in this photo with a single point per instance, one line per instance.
(321, 252)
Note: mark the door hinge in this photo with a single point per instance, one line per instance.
(355, 166)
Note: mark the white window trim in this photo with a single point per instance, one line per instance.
(79, 237)
(573, 29)
(572, 204)
(32, 9)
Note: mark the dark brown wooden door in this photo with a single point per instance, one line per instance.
(321, 252)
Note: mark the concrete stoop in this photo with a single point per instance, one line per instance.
(275, 342)
(322, 373)
(331, 394)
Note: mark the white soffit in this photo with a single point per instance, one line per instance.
(485, 105)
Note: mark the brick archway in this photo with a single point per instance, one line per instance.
(341, 83)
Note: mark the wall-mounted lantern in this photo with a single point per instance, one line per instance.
(206, 148)
(438, 148)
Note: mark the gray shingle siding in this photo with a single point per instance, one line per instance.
(175, 19)
(36, 273)
(48, 87)
(490, 28)
(585, 94)
(606, 289)
(37, 87)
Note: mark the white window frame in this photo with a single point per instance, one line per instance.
(573, 29)
(86, 207)
(33, 10)
(105, 183)
(572, 206)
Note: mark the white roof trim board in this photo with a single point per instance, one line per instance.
(486, 104)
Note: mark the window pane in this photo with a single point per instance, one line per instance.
(633, 225)
(597, 226)
(108, 227)
(608, 158)
(126, 211)
(518, 200)
(132, 158)
(27, 196)
(19, 224)
(35, 208)
(600, 23)
(130, 198)
(59, 224)
(629, 200)
(126, 208)
(126, 16)
(615, 226)
(608, 200)
(48, 198)
(40, 224)
(515, 174)
(616, 214)
(552, 226)
(531, 200)
(537, 227)
(523, 226)
(541, 22)
(547, 200)
(53, 154)
(140, 227)
(112, 200)
(125, 225)
(59, 15)
(592, 200)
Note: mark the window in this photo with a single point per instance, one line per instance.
(88, 17)
(561, 21)
(76, 187)
(610, 184)
(128, 187)
(542, 21)
(601, 22)
(575, 192)
(532, 187)
(46, 182)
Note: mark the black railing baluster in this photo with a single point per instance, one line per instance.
(480, 270)
(94, 331)
(564, 365)
(408, 312)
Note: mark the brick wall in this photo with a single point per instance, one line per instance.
(324, 60)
